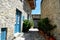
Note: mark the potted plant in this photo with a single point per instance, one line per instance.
(44, 24)
(48, 26)
(41, 27)
(26, 25)
(31, 23)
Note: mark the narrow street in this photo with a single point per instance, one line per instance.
(31, 35)
(29, 20)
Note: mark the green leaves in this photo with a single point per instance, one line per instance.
(27, 25)
(44, 24)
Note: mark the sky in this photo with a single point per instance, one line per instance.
(38, 8)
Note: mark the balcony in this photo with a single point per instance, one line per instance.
(32, 3)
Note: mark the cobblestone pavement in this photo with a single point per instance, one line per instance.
(32, 36)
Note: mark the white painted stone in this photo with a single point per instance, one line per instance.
(18, 34)
(33, 29)
(19, 38)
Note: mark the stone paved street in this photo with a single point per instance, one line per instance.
(24, 19)
(32, 36)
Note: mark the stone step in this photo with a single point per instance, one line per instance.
(19, 38)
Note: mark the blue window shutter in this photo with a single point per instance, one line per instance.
(3, 34)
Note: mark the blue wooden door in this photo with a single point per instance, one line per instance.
(3, 33)
(18, 21)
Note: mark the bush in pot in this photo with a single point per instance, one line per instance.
(48, 26)
(41, 26)
(44, 24)
(26, 25)
(31, 23)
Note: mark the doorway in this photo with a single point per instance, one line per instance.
(18, 21)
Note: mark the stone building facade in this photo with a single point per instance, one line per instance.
(8, 14)
(51, 9)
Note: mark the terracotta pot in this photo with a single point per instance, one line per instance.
(52, 38)
(49, 37)
(46, 37)
(41, 32)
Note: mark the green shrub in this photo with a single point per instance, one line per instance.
(26, 25)
(31, 23)
(44, 24)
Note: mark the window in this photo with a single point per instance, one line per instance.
(3, 33)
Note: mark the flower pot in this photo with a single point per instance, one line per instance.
(52, 38)
(41, 32)
(25, 30)
(46, 37)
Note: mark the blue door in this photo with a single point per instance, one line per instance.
(3, 33)
(18, 21)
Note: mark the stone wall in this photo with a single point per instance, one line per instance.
(8, 14)
(51, 9)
